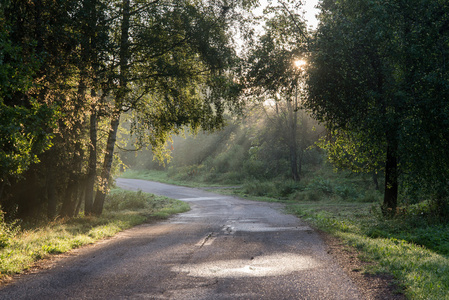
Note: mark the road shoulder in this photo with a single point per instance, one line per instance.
(372, 286)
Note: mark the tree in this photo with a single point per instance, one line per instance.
(173, 70)
(23, 124)
(275, 73)
(368, 80)
(40, 33)
(74, 65)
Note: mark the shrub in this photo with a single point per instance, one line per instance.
(288, 187)
(257, 188)
(370, 196)
(320, 184)
(7, 231)
(127, 200)
(346, 192)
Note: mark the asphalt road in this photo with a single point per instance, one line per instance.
(224, 248)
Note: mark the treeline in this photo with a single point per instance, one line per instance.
(374, 73)
(258, 147)
(69, 69)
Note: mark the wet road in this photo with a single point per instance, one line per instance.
(224, 248)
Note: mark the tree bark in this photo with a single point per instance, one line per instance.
(71, 197)
(2, 188)
(391, 181)
(93, 56)
(92, 165)
(51, 196)
(69, 203)
(375, 181)
(120, 96)
(293, 144)
(100, 196)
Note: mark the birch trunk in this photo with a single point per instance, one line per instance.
(120, 97)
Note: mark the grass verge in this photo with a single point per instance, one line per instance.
(21, 248)
(422, 271)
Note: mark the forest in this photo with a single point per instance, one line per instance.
(356, 108)
(370, 84)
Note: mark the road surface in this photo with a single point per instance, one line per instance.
(224, 248)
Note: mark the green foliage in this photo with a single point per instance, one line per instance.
(23, 137)
(369, 83)
(120, 200)
(256, 188)
(7, 231)
(68, 68)
(24, 126)
(245, 150)
(321, 184)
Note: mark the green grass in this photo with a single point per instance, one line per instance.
(172, 177)
(20, 248)
(394, 246)
(158, 176)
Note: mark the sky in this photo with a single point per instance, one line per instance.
(311, 11)
(309, 7)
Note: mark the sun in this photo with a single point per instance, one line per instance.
(300, 63)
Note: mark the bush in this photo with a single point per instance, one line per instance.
(257, 188)
(370, 196)
(320, 184)
(118, 200)
(288, 187)
(346, 192)
(255, 169)
(7, 231)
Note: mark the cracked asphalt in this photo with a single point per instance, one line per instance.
(223, 248)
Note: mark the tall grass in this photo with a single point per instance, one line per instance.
(20, 248)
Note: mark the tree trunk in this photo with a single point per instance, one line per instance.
(93, 56)
(391, 181)
(293, 144)
(71, 197)
(294, 161)
(81, 191)
(100, 196)
(120, 96)
(2, 188)
(51, 196)
(69, 203)
(375, 181)
(92, 165)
